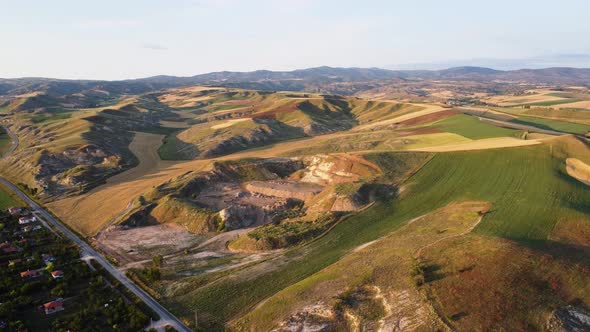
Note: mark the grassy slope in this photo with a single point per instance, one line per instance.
(221, 300)
(527, 187)
(7, 199)
(472, 128)
(551, 102)
(5, 141)
(386, 264)
(478, 290)
(569, 127)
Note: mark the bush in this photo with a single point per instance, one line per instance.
(59, 290)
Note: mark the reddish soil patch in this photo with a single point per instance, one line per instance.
(428, 118)
(419, 131)
(272, 113)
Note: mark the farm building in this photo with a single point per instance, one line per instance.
(53, 307)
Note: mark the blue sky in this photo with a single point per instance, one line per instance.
(110, 39)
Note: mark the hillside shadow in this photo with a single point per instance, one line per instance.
(565, 252)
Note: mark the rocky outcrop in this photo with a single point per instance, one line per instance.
(316, 317)
(335, 199)
(241, 216)
(342, 168)
(569, 318)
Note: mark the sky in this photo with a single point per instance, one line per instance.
(120, 39)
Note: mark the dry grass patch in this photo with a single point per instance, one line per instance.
(229, 123)
(481, 144)
(578, 170)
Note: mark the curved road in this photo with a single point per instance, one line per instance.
(166, 318)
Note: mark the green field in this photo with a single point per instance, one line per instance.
(470, 127)
(551, 102)
(169, 150)
(568, 127)
(527, 187)
(5, 141)
(7, 200)
(50, 117)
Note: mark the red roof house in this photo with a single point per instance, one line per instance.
(57, 274)
(30, 274)
(53, 307)
(15, 211)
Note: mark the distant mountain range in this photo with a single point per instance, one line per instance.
(296, 80)
(574, 60)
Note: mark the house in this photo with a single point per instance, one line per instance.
(47, 259)
(15, 211)
(27, 229)
(26, 220)
(29, 274)
(53, 307)
(57, 274)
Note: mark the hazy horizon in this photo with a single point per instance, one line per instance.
(110, 40)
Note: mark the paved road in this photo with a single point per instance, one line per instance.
(165, 316)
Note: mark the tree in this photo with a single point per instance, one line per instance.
(59, 290)
(157, 261)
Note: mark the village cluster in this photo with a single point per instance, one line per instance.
(28, 222)
(45, 286)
